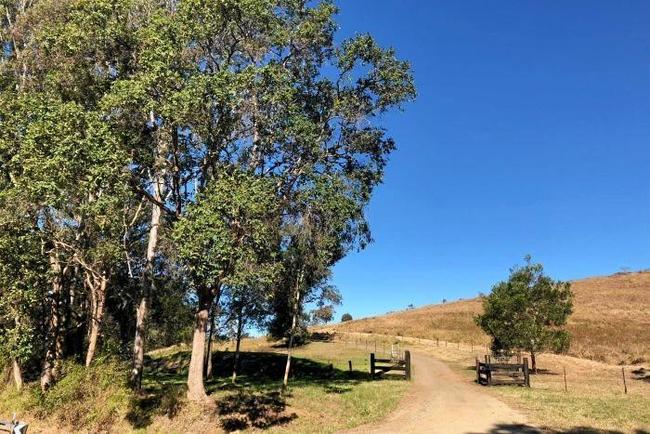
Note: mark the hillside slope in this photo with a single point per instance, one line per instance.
(610, 323)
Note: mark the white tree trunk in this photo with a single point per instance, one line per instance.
(148, 285)
(240, 326)
(17, 373)
(98, 289)
(54, 342)
(294, 323)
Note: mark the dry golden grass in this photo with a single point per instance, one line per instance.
(610, 323)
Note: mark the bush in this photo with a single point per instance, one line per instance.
(346, 317)
(92, 397)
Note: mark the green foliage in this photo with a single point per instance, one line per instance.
(528, 311)
(23, 280)
(346, 317)
(228, 236)
(103, 385)
(262, 131)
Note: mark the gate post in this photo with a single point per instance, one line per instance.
(372, 365)
(407, 360)
(526, 372)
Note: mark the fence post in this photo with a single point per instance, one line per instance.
(407, 359)
(478, 375)
(566, 389)
(624, 382)
(488, 370)
(350, 365)
(526, 372)
(372, 365)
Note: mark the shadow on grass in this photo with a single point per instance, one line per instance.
(166, 400)
(254, 402)
(641, 374)
(244, 410)
(526, 429)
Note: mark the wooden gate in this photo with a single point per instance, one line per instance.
(379, 367)
(492, 374)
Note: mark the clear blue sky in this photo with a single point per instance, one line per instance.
(530, 135)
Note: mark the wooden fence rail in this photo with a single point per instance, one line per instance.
(380, 366)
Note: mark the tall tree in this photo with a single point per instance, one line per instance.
(60, 60)
(226, 238)
(23, 282)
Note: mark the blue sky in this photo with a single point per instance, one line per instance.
(530, 135)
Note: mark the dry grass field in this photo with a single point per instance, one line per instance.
(610, 323)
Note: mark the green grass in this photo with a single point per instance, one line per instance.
(323, 395)
(93, 398)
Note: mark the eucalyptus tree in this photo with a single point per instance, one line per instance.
(23, 282)
(59, 60)
(226, 239)
(329, 223)
(257, 84)
(183, 93)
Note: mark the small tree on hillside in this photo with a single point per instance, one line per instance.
(346, 317)
(528, 312)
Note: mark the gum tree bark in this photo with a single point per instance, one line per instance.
(54, 339)
(148, 286)
(208, 355)
(97, 302)
(195, 385)
(17, 373)
(240, 326)
(294, 323)
(148, 278)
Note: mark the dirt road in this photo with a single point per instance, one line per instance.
(440, 401)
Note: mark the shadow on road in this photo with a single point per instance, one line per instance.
(527, 429)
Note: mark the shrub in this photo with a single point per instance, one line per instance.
(346, 317)
(92, 397)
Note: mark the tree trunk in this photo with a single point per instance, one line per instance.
(240, 326)
(294, 323)
(18, 374)
(208, 355)
(533, 362)
(54, 340)
(148, 286)
(195, 385)
(98, 290)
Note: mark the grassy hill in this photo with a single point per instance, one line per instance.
(610, 323)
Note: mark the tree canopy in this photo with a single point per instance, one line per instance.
(158, 155)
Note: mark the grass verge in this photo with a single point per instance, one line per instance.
(324, 395)
(594, 401)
